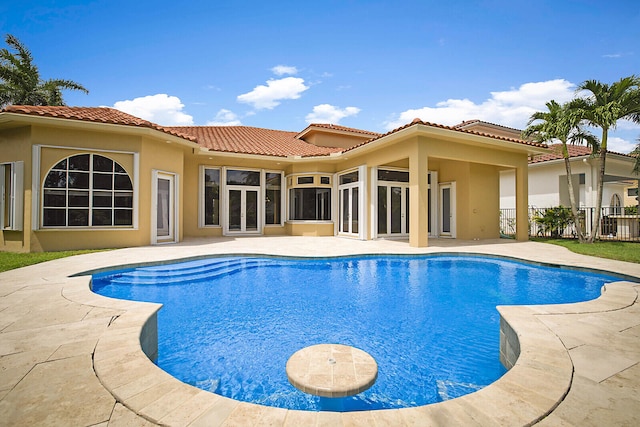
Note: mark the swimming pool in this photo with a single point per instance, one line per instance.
(229, 324)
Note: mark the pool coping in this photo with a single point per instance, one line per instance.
(539, 381)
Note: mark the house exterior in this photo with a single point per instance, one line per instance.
(74, 178)
(548, 180)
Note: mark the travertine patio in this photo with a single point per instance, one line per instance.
(70, 357)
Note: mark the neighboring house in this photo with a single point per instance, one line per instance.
(74, 177)
(548, 176)
(548, 180)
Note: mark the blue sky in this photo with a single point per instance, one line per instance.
(372, 65)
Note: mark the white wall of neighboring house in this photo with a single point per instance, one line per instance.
(548, 186)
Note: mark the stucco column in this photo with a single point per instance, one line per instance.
(418, 195)
(522, 202)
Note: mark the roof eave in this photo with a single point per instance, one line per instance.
(421, 129)
(28, 119)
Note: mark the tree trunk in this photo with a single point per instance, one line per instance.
(603, 157)
(572, 197)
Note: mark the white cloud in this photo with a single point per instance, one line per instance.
(620, 145)
(161, 109)
(269, 96)
(509, 108)
(326, 113)
(225, 117)
(281, 70)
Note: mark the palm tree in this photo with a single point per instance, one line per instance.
(603, 106)
(20, 81)
(636, 154)
(561, 123)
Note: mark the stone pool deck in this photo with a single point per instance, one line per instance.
(70, 357)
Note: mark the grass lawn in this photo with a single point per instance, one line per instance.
(622, 251)
(10, 260)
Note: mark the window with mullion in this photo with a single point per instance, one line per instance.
(87, 190)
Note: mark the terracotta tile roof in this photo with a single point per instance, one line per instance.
(417, 121)
(91, 114)
(232, 139)
(555, 153)
(251, 140)
(341, 128)
(476, 121)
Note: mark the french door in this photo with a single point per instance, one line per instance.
(393, 210)
(243, 209)
(349, 209)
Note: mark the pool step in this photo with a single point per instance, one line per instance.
(188, 268)
(177, 275)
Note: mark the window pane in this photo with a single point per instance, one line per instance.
(382, 210)
(239, 177)
(310, 204)
(79, 162)
(55, 198)
(354, 210)
(56, 179)
(272, 207)
(235, 210)
(101, 217)
(102, 181)
(273, 201)
(349, 178)
(54, 218)
(72, 190)
(324, 204)
(251, 215)
(393, 176)
(212, 196)
(102, 199)
(396, 209)
(123, 217)
(79, 198)
(122, 182)
(345, 210)
(123, 200)
(78, 180)
(102, 164)
(305, 180)
(78, 217)
(325, 180)
(61, 165)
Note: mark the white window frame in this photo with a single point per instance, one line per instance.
(12, 196)
(36, 187)
(361, 184)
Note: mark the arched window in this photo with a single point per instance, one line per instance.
(616, 205)
(87, 190)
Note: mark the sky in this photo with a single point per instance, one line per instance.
(372, 65)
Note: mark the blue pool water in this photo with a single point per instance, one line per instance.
(230, 324)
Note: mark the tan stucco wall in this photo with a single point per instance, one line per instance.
(59, 143)
(309, 229)
(328, 139)
(14, 147)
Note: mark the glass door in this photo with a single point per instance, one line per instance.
(447, 210)
(349, 209)
(164, 208)
(243, 210)
(393, 209)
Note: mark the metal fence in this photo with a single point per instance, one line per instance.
(622, 224)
